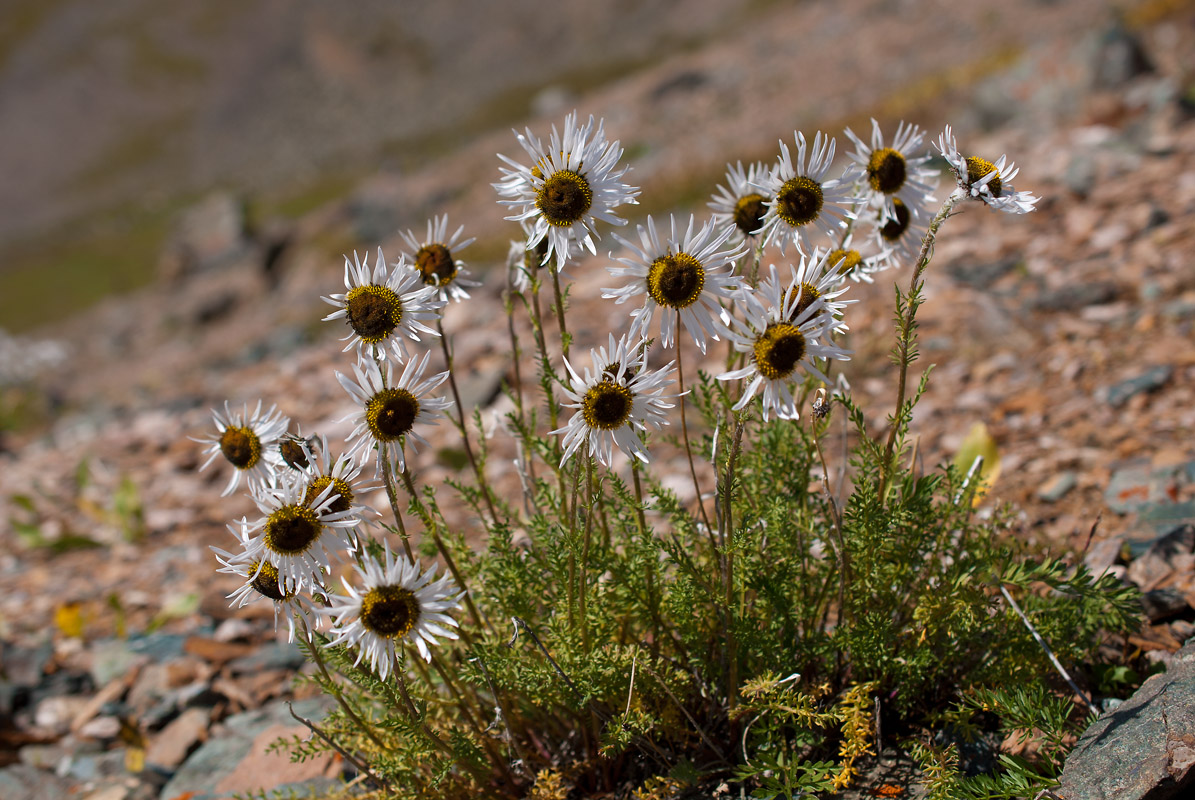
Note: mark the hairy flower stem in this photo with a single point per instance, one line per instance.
(572, 552)
(516, 354)
(585, 551)
(906, 333)
(684, 434)
(334, 687)
(482, 484)
(467, 711)
(434, 529)
(388, 481)
(546, 379)
(844, 559)
(650, 568)
(727, 535)
(564, 337)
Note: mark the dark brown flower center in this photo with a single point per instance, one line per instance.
(977, 168)
(389, 611)
(799, 201)
(676, 280)
(886, 170)
(391, 413)
(291, 530)
(292, 453)
(893, 229)
(265, 582)
(341, 491)
(564, 198)
(607, 405)
(373, 312)
(809, 295)
(778, 351)
(749, 212)
(845, 261)
(240, 446)
(435, 265)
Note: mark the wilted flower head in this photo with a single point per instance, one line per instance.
(979, 179)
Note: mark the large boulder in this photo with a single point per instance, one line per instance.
(1143, 749)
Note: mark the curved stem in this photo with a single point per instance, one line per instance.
(680, 379)
(460, 413)
(906, 331)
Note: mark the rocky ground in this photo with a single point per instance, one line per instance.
(1068, 332)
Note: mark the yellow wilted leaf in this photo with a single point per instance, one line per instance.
(68, 618)
(979, 442)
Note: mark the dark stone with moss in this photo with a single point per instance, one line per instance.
(1144, 749)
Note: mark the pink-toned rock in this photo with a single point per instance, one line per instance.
(262, 771)
(175, 742)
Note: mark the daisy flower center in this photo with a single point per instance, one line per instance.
(675, 281)
(389, 611)
(893, 229)
(391, 413)
(564, 198)
(847, 261)
(749, 212)
(292, 453)
(435, 265)
(799, 201)
(265, 582)
(373, 311)
(778, 351)
(977, 168)
(533, 259)
(886, 170)
(340, 490)
(607, 405)
(240, 446)
(291, 530)
(809, 296)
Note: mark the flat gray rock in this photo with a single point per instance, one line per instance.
(1144, 749)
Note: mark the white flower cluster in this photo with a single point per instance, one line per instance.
(310, 515)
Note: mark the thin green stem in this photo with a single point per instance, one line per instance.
(482, 484)
(906, 332)
(564, 337)
(684, 428)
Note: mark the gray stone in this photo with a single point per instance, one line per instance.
(1161, 604)
(1057, 487)
(1080, 175)
(1151, 380)
(1166, 517)
(1145, 748)
(93, 766)
(270, 656)
(219, 755)
(1156, 562)
(23, 782)
(1128, 489)
(1119, 58)
(1075, 296)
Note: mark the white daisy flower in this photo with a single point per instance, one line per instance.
(616, 400)
(261, 580)
(522, 263)
(802, 197)
(902, 233)
(779, 340)
(982, 180)
(739, 205)
(813, 280)
(390, 410)
(297, 534)
(688, 273)
(395, 603)
(847, 262)
(248, 442)
(382, 306)
(339, 477)
(434, 259)
(568, 187)
(895, 171)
